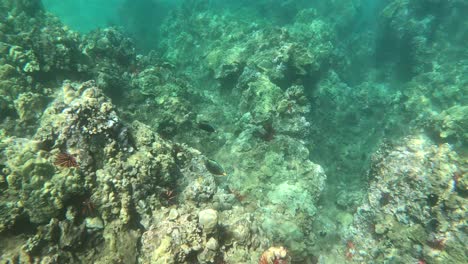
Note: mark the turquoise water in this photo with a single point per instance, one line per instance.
(154, 131)
(85, 16)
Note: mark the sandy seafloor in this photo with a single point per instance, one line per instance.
(266, 131)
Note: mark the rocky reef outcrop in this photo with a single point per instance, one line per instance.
(87, 178)
(207, 149)
(415, 206)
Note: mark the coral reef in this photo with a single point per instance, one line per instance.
(267, 132)
(112, 176)
(451, 125)
(415, 207)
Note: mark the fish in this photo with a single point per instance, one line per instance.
(205, 126)
(214, 168)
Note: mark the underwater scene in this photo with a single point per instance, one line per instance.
(233, 132)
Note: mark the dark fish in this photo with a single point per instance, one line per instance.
(214, 167)
(205, 126)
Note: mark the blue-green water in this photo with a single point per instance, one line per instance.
(153, 131)
(85, 16)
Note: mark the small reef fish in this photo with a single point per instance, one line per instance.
(205, 126)
(214, 168)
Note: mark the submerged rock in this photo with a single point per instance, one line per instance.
(94, 223)
(413, 203)
(208, 220)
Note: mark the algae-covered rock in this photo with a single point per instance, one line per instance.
(451, 124)
(411, 184)
(209, 253)
(42, 188)
(44, 45)
(167, 98)
(78, 116)
(121, 245)
(110, 56)
(171, 241)
(29, 106)
(12, 84)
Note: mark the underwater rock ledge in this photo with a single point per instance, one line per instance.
(87, 180)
